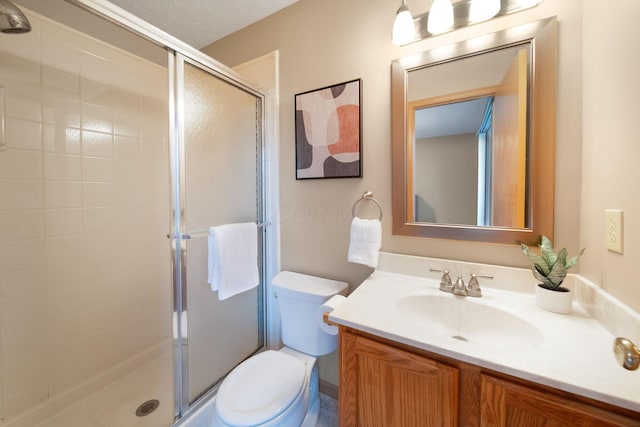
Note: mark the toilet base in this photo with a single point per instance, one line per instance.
(311, 419)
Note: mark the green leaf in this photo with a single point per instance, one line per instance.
(557, 274)
(546, 250)
(573, 261)
(562, 257)
(543, 279)
(535, 258)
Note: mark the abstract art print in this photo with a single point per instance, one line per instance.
(328, 132)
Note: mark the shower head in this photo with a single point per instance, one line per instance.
(12, 20)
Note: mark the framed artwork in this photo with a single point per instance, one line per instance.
(329, 132)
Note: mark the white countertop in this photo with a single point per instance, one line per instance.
(575, 353)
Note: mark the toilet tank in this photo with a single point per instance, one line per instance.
(299, 298)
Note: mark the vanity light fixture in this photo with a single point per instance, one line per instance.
(404, 30)
(446, 15)
(483, 10)
(440, 17)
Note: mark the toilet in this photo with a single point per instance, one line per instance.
(280, 388)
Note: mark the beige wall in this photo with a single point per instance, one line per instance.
(320, 46)
(447, 191)
(611, 147)
(331, 41)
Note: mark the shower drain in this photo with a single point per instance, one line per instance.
(147, 407)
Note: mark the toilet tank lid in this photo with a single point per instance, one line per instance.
(296, 283)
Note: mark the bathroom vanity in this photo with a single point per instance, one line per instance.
(411, 355)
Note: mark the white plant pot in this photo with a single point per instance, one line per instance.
(554, 301)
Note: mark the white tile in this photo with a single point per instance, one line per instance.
(58, 303)
(63, 277)
(19, 71)
(57, 34)
(21, 164)
(93, 66)
(99, 219)
(23, 329)
(62, 249)
(62, 167)
(97, 169)
(61, 139)
(97, 194)
(21, 225)
(126, 123)
(62, 194)
(126, 100)
(60, 84)
(128, 193)
(21, 194)
(96, 93)
(97, 118)
(126, 148)
(23, 134)
(97, 144)
(98, 244)
(128, 171)
(23, 104)
(20, 284)
(21, 254)
(61, 54)
(98, 268)
(61, 112)
(59, 222)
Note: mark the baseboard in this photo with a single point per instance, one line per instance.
(329, 389)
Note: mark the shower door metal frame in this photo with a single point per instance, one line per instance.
(180, 235)
(178, 49)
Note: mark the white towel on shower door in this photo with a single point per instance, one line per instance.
(233, 259)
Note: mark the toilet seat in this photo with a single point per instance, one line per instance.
(260, 388)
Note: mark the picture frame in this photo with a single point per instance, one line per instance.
(328, 125)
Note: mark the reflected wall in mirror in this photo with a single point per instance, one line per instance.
(473, 138)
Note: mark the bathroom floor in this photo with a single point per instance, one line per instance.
(328, 411)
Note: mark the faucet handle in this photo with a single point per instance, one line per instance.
(445, 283)
(473, 288)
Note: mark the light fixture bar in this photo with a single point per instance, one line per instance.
(461, 19)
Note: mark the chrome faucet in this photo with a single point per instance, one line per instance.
(473, 289)
(459, 288)
(445, 282)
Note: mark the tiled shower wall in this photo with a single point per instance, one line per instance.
(84, 211)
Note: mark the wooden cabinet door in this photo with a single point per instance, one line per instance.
(383, 386)
(505, 404)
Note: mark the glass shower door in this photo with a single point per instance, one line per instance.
(220, 175)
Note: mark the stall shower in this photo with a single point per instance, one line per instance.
(117, 152)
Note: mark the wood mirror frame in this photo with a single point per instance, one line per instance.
(542, 36)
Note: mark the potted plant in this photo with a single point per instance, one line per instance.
(551, 269)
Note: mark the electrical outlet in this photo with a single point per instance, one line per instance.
(613, 230)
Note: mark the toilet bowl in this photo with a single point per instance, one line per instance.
(280, 388)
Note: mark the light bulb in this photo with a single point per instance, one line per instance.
(440, 17)
(404, 30)
(524, 4)
(481, 10)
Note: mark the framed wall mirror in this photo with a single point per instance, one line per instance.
(473, 136)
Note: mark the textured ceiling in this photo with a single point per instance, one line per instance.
(201, 22)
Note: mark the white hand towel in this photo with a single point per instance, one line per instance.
(365, 241)
(233, 259)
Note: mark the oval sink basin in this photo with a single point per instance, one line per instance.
(465, 320)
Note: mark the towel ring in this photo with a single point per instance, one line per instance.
(368, 195)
